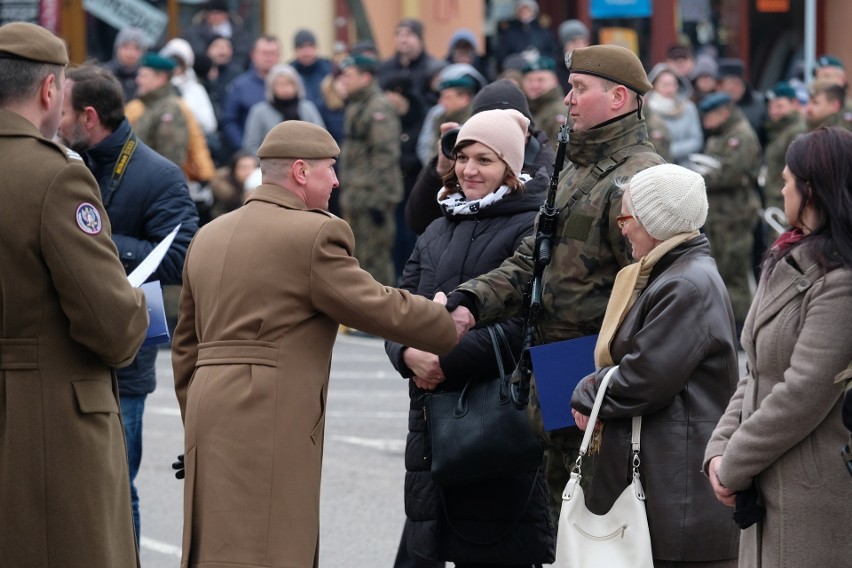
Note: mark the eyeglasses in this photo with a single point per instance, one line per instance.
(622, 220)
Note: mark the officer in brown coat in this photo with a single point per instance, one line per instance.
(68, 316)
(264, 290)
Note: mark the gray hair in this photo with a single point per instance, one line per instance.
(287, 71)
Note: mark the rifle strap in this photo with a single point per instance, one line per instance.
(602, 169)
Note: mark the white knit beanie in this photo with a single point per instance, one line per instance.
(502, 130)
(669, 199)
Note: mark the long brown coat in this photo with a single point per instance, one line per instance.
(798, 337)
(264, 289)
(67, 313)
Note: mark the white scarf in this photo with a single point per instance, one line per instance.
(457, 204)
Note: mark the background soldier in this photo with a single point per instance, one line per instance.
(545, 96)
(68, 315)
(371, 181)
(825, 106)
(785, 123)
(608, 144)
(734, 203)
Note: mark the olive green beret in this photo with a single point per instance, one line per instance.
(611, 62)
(298, 140)
(21, 40)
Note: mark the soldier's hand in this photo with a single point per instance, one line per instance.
(464, 321)
(378, 217)
(179, 467)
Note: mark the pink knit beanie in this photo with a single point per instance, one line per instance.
(502, 130)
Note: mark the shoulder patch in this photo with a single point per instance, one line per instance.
(733, 142)
(847, 116)
(72, 155)
(88, 219)
(378, 116)
(167, 117)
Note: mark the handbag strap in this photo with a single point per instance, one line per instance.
(500, 343)
(593, 418)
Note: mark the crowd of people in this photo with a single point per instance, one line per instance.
(442, 164)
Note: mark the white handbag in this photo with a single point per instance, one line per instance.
(618, 539)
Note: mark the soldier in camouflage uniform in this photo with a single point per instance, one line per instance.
(370, 177)
(658, 133)
(825, 106)
(608, 144)
(731, 192)
(545, 95)
(455, 95)
(163, 125)
(785, 123)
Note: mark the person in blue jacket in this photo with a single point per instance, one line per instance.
(145, 197)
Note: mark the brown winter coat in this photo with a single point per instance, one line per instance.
(782, 427)
(67, 315)
(264, 289)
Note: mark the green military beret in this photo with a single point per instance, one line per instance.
(361, 61)
(298, 140)
(714, 101)
(158, 62)
(542, 63)
(464, 82)
(21, 40)
(610, 62)
(781, 90)
(828, 61)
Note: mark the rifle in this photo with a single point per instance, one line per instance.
(545, 232)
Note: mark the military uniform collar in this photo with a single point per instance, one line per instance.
(736, 116)
(13, 123)
(157, 94)
(592, 146)
(363, 94)
(785, 121)
(280, 196)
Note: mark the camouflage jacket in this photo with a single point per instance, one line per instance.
(163, 125)
(736, 147)
(369, 160)
(842, 118)
(658, 133)
(779, 135)
(589, 249)
(549, 112)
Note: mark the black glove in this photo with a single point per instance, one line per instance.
(466, 299)
(179, 467)
(748, 509)
(377, 216)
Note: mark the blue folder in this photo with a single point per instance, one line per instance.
(558, 368)
(158, 331)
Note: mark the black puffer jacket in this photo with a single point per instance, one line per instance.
(510, 514)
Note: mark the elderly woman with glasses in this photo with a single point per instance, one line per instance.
(670, 329)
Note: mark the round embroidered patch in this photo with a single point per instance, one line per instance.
(88, 219)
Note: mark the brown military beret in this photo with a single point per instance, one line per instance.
(611, 62)
(298, 140)
(21, 40)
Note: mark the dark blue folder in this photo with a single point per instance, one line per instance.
(558, 368)
(158, 331)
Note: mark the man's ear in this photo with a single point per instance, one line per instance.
(620, 97)
(91, 115)
(49, 91)
(299, 170)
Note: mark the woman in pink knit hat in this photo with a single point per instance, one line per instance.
(488, 207)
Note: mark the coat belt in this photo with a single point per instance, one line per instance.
(237, 352)
(18, 354)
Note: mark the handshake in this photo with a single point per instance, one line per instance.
(462, 316)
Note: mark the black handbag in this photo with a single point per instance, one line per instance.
(477, 433)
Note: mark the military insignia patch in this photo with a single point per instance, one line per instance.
(378, 116)
(733, 142)
(568, 58)
(88, 219)
(167, 117)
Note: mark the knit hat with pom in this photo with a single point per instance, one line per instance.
(502, 130)
(668, 199)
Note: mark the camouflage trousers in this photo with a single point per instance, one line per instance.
(375, 231)
(730, 229)
(562, 447)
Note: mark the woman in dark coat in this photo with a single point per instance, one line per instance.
(488, 207)
(670, 329)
